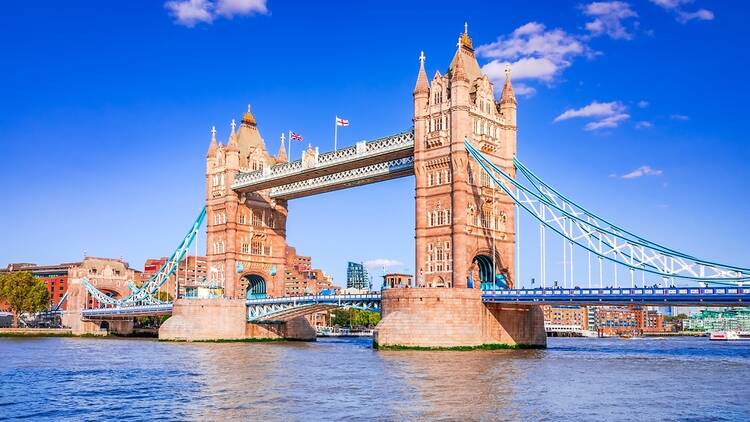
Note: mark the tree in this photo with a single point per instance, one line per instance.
(24, 293)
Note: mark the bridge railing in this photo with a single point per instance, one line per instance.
(314, 298)
(661, 291)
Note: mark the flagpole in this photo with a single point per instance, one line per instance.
(335, 132)
(290, 147)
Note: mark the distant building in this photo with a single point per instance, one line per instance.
(190, 273)
(566, 319)
(55, 278)
(397, 280)
(301, 279)
(718, 320)
(357, 277)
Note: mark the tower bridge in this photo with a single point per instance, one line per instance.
(470, 193)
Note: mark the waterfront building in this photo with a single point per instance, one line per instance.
(397, 280)
(718, 320)
(357, 277)
(565, 319)
(190, 273)
(55, 278)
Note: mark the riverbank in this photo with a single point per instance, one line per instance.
(35, 332)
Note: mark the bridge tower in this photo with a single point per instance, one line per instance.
(464, 226)
(465, 236)
(246, 232)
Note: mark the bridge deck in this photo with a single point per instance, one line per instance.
(676, 296)
(286, 308)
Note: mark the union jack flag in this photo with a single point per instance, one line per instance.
(294, 136)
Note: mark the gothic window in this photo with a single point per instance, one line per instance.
(215, 179)
(256, 247)
(438, 178)
(245, 248)
(470, 176)
(485, 179)
(267, 250)
(429, 179)
(270, 221)
(243, 218)
(447, 176)
(257, 218)
(447, 216)
(219, 247)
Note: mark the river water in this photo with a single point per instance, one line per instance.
(345, 379)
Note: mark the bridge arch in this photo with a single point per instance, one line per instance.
(256, 286)
(485, 275)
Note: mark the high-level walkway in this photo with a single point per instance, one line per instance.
(363, 163)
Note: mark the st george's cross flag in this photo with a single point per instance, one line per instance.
(341, 122)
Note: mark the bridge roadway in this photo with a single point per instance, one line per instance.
(285, 308)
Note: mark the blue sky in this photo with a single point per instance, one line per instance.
(635, 109)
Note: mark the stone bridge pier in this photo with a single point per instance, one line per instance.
(226, 319)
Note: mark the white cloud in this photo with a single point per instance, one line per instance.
(644, 125)
(192, 12)
(701, 15)
(680, 117)
(606, 115)
(643, 104)
(642, 171)
(683, 16)
(231, 8)
(524, 90)
(609, 18)
(533, 52)
(383, 262)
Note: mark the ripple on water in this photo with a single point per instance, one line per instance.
(344, 379)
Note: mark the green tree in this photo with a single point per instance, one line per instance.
(23, 293)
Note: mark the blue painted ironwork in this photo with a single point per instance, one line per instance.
(262, 308)
(598, 236)
(663, 296)
(146, 293)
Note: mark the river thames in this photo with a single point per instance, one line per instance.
(345, 379)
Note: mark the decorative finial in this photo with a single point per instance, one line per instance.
(507, 70)
(282, 137)
(249, 109)
(421, 58)
(466, 27)
(213, 133)
(234, 125)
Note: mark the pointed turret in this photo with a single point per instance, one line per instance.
(508, 96)
(248, 117)
(212, 145)
(281, 155)
(422, 85)
(465, 56)
(458, 73)
(232, 144)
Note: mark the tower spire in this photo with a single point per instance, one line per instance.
(281, 155)
(232, 144)
(212, 146)
(508, 96)
(421, 86)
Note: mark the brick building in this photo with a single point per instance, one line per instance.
(397, 280)
(191, 272)
(301, 279)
